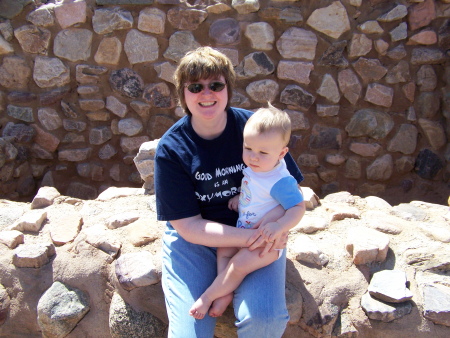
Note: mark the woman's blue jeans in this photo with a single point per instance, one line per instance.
(188, 269)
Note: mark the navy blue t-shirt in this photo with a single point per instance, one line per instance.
(197, 176)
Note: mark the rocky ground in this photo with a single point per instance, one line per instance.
(91, 268)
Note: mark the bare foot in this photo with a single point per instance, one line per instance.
(220, 305)
(200, 307)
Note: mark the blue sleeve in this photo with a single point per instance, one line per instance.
(286, 192)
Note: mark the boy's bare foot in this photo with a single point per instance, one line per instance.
(220, 305)
(200, 307)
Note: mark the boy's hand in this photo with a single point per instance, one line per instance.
(233, 203)
(271, 232)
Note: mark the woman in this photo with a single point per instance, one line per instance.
(198, 168)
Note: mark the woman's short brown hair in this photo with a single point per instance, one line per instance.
(203, 63)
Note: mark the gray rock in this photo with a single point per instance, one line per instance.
(132, 144)
(245, 6)
(360, 45)
(121, 220)
(6, 29)
(397, 13)
(332, 20)
(14, 72)
(349, 85)
(325, 138)
(136, 270)
(261, 35)
(186, 19)
(41, 16)
(397, 53)
(60, 309)
(140, 47)
(33, 255)
(158, 95)
(333, 56)
(33, 39)
(73, 44)
(5, 302)
(124, 321)
(370, 122)
(428, 164)
(399, 73)
(409, 212)
(11, 238)
(87, 74)
(379, 95)
(30, 221)
(306, 250)
(179, 44)
(107, 20)
(20, 132)
(367, 245)
(263, 91)
(297, 43)
(50, 72)
(295, 70)
(371, 27)
(436, 305)
(390, 286)
(369, 69)
(378, 310)
(329, 89)
(400, 32)
(427, 105)
(297, 96)
(20, 113)
(425, 55)
(324, 110)
(152, 20)
(81, 190)
(254, 64)
(100, 135)
(225, 31)
(434, 133)
(44, 198)
(127, 82)
(426, 78)
(298, 120)
(71, 13)
(74, 155)
(381, 169)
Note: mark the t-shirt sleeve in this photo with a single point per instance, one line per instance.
(286, 192)
(174, 189)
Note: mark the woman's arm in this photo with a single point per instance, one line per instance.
(198, 230)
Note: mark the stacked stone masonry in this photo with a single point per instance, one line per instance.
(84, 83)
(356, 267)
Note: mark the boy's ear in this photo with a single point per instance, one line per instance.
(283, 153)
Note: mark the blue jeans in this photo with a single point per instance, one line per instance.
(188, 269)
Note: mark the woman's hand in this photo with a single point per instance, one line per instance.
(257, 241)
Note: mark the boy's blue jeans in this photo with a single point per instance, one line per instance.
(188, 269)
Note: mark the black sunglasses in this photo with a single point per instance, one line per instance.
(215, 86)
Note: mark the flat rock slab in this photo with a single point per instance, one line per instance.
(385, 312)
(390, 286)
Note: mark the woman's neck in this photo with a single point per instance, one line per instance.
(210, 129)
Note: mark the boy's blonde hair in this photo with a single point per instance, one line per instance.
(271, 119)
(203, 63)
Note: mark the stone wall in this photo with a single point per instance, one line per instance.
(356, 267)
(84, 83)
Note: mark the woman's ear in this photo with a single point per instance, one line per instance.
(283, 153)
